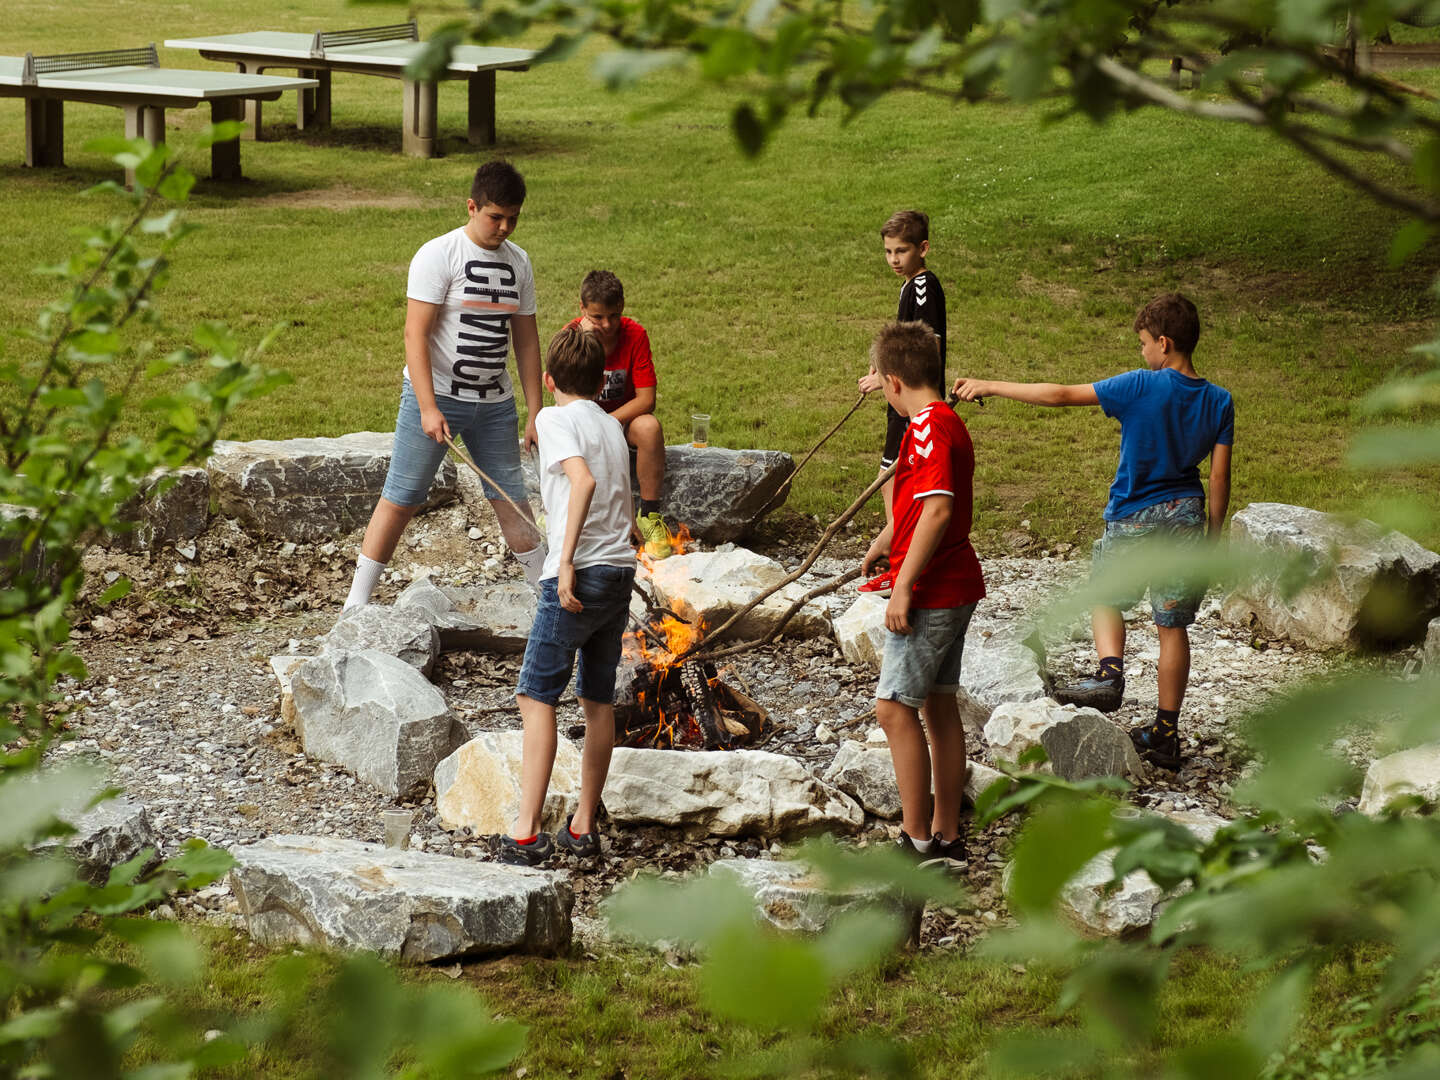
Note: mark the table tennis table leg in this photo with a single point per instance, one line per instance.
(482, 108)
(44, 132)
(225, 156)
(417, 135)
(314, 105)
(252, 105)
(147, 122)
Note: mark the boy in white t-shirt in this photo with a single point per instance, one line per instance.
(584, 594)
(471, 293)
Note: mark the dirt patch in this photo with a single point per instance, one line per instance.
(343, 197)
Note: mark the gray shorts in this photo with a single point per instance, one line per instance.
(927, 660)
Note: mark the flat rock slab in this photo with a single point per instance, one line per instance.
(1372, 588)
(1081, 743)
(725, 793)
(173, 505)
(110, 834)
(405, 635)
(410, 906)
(478, 786)
(790, 896)
(376, 716)
(1414, 772)
(495, 618)
(308, 490)
(710, 586)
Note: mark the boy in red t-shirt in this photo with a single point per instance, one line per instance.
(937, 583)
(628, 394)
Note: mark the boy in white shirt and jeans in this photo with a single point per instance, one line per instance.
(584, 594)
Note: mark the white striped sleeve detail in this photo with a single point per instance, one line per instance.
(935, 491)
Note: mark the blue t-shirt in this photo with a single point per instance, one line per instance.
(1169, 423)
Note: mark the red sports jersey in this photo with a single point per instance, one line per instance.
(629, 367)
(937, 458)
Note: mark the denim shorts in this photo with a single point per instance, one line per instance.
(1179, 521)
(927, 660)
(595, 633)
(490, 430)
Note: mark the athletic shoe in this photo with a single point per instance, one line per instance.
(653, 532)
(1097, 692)
(534, 853)
(584, 846)
(1157, 747)
(880, 585)
(949, 856)
(906, 846)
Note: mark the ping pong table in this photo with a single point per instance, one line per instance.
(371, 50)
(133, 80)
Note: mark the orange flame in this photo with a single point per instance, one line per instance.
(680, 542)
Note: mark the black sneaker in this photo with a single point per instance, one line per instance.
(1097, 692)
(950, 857)
(906, 846)
(584, 846)
(514, 853)
(1157, 747)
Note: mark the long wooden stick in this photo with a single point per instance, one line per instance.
(771, 502)
(523, 512)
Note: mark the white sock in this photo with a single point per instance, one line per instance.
(921, 846)
(367, 573)
(533, 562)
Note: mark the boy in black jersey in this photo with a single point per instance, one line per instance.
(907, 241)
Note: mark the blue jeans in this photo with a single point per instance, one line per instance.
(927, 660)
(490, 431)
(595, 633)
(1180, 522)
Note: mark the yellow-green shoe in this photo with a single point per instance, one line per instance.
(653, 532)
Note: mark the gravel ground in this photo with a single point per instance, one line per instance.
(181, 705)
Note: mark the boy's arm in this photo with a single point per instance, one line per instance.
(929, 531)
(643, 402)
(582, 488)
(526, 339)
(1030, 393)
(1219, 489)
(419, 319)
(879, 549)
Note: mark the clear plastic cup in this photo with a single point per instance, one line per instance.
(396, 824)
(699, 429)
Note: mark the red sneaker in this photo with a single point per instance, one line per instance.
(880, 585)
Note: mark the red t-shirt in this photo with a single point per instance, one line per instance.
(937, 458)
(629, 367)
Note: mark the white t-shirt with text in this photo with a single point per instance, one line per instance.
(477, 291)
(582, 429)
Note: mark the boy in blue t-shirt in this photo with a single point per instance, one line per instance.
(1170, 421)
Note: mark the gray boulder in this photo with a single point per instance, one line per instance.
(110, 834)
(173, 505)
(997, 669)
(1081, 743)
(707, 587)
(319, 891)
(404, 634)
(13, 523)
(860, 630)
(790, 896)
(376, 716)
(1370, 588)
(309, 490)
(1409, 772)
(724, 793)
(978, 778)
(478, 786)
(867, 775)
(494, 618)
(1430, 656)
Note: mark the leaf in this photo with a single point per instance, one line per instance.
(749, 131)
(1061, 837)
(764, 981)
(35, 1024)
(118, 589)
(1408, 240)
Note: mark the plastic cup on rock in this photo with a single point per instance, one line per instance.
(397, 824)
(700, 429)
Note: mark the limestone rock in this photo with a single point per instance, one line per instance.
(978, 779)
(375, 715)
(1430, 657)
(725, 793)
(711, 586)
(1081, 742)
(173, 505)
(284, 668)
(110, 834)
(1372, 588)
(997, 669)
(791, 896)
(403, 634)
(493, 618)
(478, 786)
(14, 521)
(868, 776)
(309, 490)
(861, 631)
(1410, 772)
(404, 905)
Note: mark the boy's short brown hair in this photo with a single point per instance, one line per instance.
(1172, 316)
(498, 183)
(909, 351)
(575, 359)
(909, 225)
(602, 287)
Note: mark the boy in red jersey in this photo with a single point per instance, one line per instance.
(628, 394)
(937, 584)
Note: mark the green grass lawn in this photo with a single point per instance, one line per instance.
(761, 282)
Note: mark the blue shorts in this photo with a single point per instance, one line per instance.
(489, 429)
(595, 633)
(1179, 521)
(927, 660)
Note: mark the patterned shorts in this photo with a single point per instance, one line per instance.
(1181, 522)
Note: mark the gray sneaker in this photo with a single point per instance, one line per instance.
(514, 853)
(584, 846)
(1096, 692)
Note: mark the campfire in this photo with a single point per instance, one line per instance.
(677, 704)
